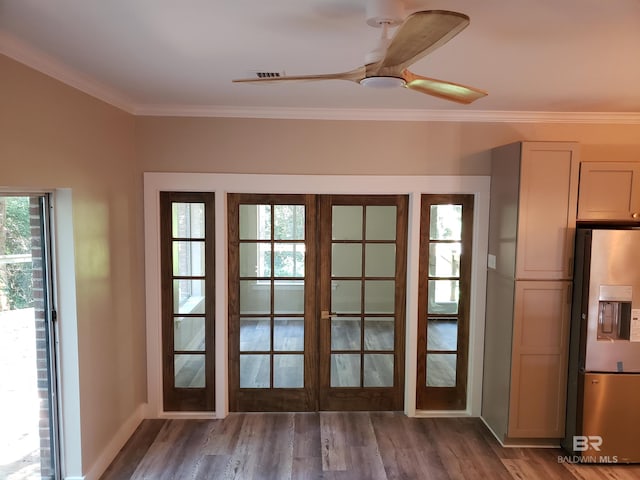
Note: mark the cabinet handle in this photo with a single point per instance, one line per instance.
(635, 216)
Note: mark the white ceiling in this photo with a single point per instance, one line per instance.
(543, 57)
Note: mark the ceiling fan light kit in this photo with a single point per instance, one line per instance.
(383, 82)
(386, 66)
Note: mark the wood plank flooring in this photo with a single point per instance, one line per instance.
(338, 446)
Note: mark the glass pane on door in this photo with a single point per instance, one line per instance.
(381, 222)
(443, 333)
(379, 296)
(189, 370)
(255, 334)
(379, 333)
(288, 371)
(346, 296)
(288, 334)
(445, 222)
(378, 370)
(288, 222)
(188, 258)
(346, 260)
(255, 222)
(346, 222)
(345, 370)
(443, 296)
(444, 259)
(380, 260)
(189, 333)
(441, 370)
(345, 333)
(187, 220)
(255, 371)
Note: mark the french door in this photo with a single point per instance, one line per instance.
(272, 332)
(316, 302)
(362, 302)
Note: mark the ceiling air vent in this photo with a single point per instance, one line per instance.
(262, 74)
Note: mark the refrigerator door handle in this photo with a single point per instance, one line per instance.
(570, 265)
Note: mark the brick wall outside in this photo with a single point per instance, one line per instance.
(41, 338)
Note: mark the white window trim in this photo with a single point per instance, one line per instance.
(221, 184)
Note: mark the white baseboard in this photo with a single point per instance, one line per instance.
(442, 413)
(115, 445)
(188, 415)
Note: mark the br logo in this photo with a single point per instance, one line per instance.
(582, 443)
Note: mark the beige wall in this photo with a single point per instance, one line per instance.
(54, 136)
(229, 145)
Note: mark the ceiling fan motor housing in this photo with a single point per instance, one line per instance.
(380, 12)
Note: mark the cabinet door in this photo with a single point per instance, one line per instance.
(547, 210)
(609, 191)
(539, 359)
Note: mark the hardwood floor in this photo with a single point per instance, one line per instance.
(338, 446)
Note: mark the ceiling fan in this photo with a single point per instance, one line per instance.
(386, 66)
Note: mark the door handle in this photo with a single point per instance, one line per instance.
(325, 315)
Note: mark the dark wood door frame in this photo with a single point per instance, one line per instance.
(444, 398)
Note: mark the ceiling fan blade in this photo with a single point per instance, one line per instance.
(441, 89)
(420, 34)
(353, 75)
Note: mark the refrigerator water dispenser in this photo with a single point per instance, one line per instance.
(614, 320)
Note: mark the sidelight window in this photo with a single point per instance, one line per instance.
(445, 259)
(187, 277)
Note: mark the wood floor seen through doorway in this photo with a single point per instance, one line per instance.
(338, 446)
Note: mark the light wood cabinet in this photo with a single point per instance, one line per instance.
(609, 191)
(539, 359)
(546, 211)
(534, 190)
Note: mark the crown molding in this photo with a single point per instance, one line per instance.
(407, 115)
(20, 51)
(24, 53)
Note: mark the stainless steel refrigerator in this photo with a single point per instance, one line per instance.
(603, 396)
